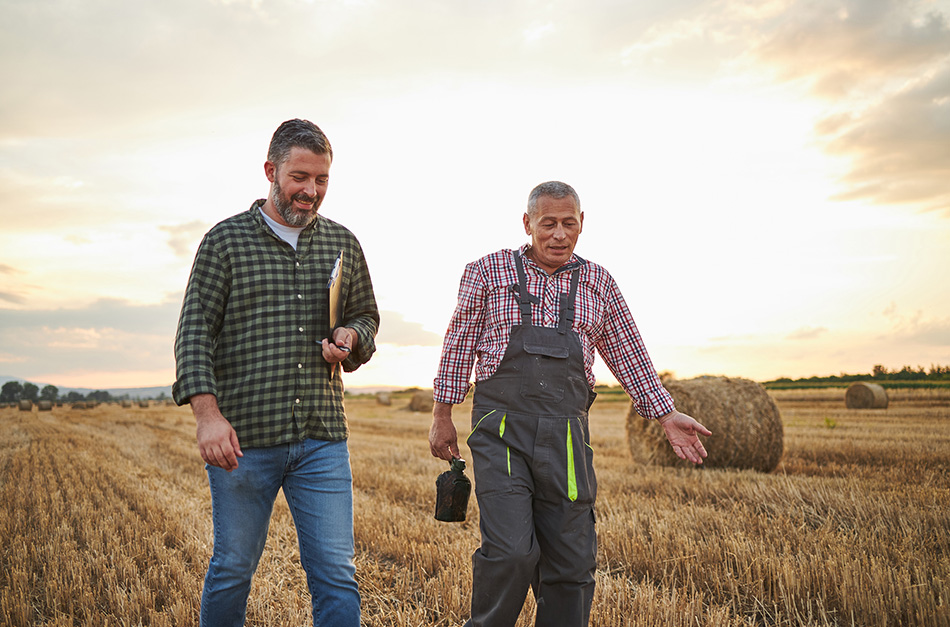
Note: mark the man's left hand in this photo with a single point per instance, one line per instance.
(681, 431)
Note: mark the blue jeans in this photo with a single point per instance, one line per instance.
(315, 476)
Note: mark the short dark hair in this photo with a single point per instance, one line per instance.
(554, 189)
(297, 133)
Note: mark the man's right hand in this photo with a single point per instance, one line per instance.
(217, 440)
(443, 438)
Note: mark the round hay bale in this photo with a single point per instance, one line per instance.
(143, 404)
(745, 422)
(25, 404)
(384, 398)
(862, 395)
(126, 403)
(45, 406)
(79, 405)
(421, 401)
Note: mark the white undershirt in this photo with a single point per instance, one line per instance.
(287, 233)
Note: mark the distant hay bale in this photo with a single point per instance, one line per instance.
(125, 403)
(384, 398)
(79, 405)
(421, 401)
(25, 404)
(746, 427)
(45, 406)
(862, 395)
(143, 404)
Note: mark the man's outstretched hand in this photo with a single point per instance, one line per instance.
(681, 430)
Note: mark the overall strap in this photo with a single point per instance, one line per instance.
(523, 297)
(566, 304)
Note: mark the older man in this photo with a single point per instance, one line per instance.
(532, 318)
(255, 361)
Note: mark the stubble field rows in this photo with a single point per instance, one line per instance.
(106, 521)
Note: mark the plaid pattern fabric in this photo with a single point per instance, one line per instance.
(253, 317)
(487, 310)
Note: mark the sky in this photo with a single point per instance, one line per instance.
(768, 181)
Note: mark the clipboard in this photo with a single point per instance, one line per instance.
(334, 302)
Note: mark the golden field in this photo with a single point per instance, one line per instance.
(106, 521)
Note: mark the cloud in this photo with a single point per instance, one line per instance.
(839, 47)
(55, 197)
(900, 148)
(929, 332)
(10, 358)
(113, 335)
(807, 333)
(108, 335)
(68, 60)
(183, 238)
(112, 69)
(883, 68)
(917, 328)
(880, 68)
(396, 330)
(103, 313)
(12, 297)
(534, 33)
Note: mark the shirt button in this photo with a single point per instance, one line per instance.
(300, 365)
(298, 264)
(297, 401)
(300, 329)
(299, 296)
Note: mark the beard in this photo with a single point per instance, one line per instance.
(285, 206)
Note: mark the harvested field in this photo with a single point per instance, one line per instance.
(106, 521)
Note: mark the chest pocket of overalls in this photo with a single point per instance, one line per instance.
(545, 371)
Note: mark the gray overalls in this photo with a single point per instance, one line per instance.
(534, 475)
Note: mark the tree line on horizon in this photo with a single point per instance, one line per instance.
(878, 374)
(14, 391)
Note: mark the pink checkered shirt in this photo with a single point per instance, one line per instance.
(487, 310)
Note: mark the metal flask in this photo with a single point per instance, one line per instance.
(452, 489)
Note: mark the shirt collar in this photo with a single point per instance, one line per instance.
(573, 263)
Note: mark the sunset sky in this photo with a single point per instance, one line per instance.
(768, 181)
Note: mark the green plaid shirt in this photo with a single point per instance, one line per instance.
(253, 318)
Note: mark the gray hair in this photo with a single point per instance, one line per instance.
(554, 189)
(297, 133)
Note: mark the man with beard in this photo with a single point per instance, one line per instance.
(256, 365)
